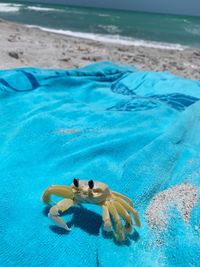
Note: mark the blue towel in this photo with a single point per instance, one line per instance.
(137, 131)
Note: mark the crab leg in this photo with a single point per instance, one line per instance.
(130, 209)
(57, 190)
(61, 206)
(106, 219)
(116, 194)
(120, 236)
(125, 215)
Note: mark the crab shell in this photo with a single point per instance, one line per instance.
(96, 195)
(113, 204)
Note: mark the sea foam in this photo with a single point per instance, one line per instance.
(114, 39)
(9, 7)
(37, 8)
(193, 29)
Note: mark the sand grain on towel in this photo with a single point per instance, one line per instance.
(183, 197)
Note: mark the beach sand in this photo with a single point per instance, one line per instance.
(23, 46)
(183, 197)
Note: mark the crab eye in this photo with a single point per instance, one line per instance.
(91, 184)
(76, 182)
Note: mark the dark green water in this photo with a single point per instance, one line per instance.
(112, 25)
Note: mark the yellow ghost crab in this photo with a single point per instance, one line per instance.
(113, 205)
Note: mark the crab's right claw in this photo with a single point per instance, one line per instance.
(57, 219)
(61, 206)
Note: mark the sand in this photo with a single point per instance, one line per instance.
(183, 197)
(22, 46)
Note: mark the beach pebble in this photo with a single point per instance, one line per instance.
(197, 53)
(14, 55)
(66, 59)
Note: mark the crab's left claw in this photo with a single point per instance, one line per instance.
(57, 190)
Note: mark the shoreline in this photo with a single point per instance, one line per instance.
(27, 46)
(114, 39)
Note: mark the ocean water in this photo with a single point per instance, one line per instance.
(125, 27)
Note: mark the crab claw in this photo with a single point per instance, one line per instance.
(54, 213)
(57, 190)
(55, 217)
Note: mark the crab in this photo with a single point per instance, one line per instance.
(114, 205)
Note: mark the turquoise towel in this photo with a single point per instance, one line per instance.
(137, 131)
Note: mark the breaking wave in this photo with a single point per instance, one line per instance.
(37, 8)
(9, 7)
(112, 29)
(193, 29)
(114, 39)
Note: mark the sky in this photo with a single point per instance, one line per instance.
(186, 7)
